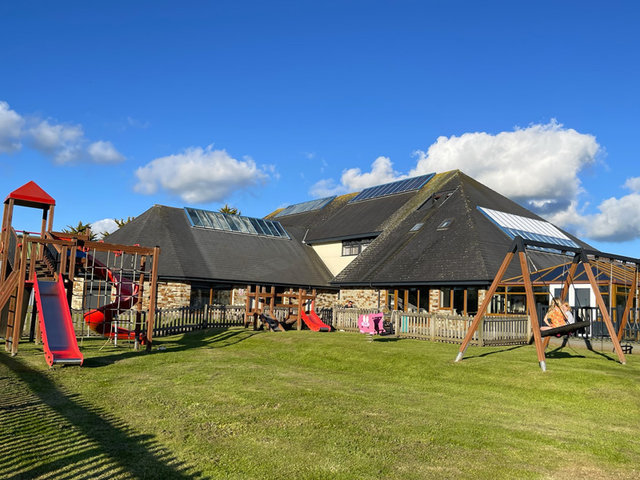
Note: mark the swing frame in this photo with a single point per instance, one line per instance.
(519, 247)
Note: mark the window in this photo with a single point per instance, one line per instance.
(445, 298)
(354, 247)
(445, 224)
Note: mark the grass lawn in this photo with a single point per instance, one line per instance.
(241, 404)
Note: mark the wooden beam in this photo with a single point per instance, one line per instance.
(464, 303)
(300, 307)
(627, 307)
(151, 318)
(17, 316)
(531, 307)
(603, 310)
(487, 300)
(6, 232)
(272, 301)
(50, 224)
(247, 305)
(569, 279)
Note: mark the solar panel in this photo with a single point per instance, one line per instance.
(305, 206)
(393, 188)
(528, 228)
(234, 223)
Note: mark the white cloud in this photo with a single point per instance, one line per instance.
(11, 124)
(617, 220)
(106, 225)
(537, 166)
(354, 180)
(68, 144)
(633, 184)
(199, 175)
(326, 188)
(64, 143)
(104, 152)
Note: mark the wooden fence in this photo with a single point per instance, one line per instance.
(171, 321)
(346, 319)
(439, 327)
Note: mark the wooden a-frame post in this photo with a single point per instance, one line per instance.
(485, 304)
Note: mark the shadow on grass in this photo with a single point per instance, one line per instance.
(495, 352)
(48, 433)
(559, 352)
(212, 338)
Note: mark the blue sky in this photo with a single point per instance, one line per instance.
(114, 107)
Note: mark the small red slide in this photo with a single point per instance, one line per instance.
(58, 335)
(314, 322)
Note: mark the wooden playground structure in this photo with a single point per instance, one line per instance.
(628, 269)
(261, 299)
(48, 262)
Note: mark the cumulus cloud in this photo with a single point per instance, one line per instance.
(633, 184)
(199, 175)
(11, 124)
(617, 219)
(64, 143)
(537, 166)
(106, 225)
(104, 152)
(353, 179)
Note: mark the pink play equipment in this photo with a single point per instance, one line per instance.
(371, 323)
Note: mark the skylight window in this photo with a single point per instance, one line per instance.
(305, 207)
(528, 228)
(234, 223)
(445, 224)
(416, 227)
(393, 188)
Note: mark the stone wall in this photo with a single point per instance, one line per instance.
(362, 297)
(170, 295)
(238, 296)
(481, 296)
(434, 300)
(326, 299)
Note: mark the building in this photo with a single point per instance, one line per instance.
(426, 243)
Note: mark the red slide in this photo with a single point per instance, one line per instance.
(314, 322)
(100, 320)
(58, 336)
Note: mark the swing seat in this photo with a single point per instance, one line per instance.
(564, 329)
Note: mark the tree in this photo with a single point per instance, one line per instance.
(229, 210)
(123, 222)
(120, 223)
(81, 229)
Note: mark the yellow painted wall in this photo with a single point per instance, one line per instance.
(331, 255)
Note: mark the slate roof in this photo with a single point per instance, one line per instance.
(198, 254)
(469, 251)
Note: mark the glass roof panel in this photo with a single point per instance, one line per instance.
(528, 228)
(234, 223)
(305, 207)
(401, 186)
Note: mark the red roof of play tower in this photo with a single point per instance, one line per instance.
(30, 195)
